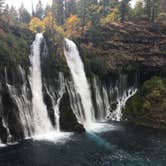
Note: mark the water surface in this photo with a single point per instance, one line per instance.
(123, 145)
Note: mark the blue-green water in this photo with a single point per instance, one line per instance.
(123, 145)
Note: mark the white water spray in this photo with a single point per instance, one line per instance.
(81, 83)
(41, 122)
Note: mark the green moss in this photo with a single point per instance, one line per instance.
(148, 106)
(14, 46)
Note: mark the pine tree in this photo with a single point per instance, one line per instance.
(13, 15)
(1, 5)
(84, 12)
(106, 6)
(152, 9)
(39, 10)
(6, 14)
(59, 11)
(70, 8)
(124, 9)
(24, 16)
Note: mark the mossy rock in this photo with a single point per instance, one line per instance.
(148, 106)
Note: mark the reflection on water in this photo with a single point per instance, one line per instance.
(123, 145)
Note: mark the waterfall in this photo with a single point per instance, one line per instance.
(121, 102)
(41, 122)
(80, 81)
(106, 97)
(56, 100)
(21, 98)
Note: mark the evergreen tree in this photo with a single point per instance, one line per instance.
(1, 5)
(138, 11)
(70, 8)
(124, 9)
(106, 6)
(48, 9)
(152, 9)
(59, 11)
(13, 15)
(84, 12)
(6, 14)
(39, 10)
(24, 16)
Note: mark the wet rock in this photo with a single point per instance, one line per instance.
(148, 106)
(3, 132)
(68, 120)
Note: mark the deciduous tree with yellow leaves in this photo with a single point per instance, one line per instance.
(112, 17)
(36, 25)
(47, 23)
(72, 26)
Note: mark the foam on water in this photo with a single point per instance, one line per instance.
(54, 137)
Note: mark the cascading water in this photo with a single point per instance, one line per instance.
(81, 83)
(75, 101)
(22, 101)
(99, 101)
(112, 96)
(41, 122)
(56, 100)
(121, 102)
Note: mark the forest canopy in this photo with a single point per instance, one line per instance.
(75, 17)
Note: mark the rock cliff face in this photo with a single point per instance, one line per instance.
(148, 106)
(126, 46)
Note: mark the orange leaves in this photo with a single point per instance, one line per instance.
(48, 22)
(36, 25)
(72, 26)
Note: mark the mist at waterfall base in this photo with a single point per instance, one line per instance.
(124, 147)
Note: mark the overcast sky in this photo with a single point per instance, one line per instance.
(28, 3)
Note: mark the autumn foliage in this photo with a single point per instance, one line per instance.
(47, 23)
(36, 25)
(72, 26)
(111, 17)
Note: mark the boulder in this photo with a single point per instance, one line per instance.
(68, 120)
(148, 106)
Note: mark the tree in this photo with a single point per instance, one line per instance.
(1, 5)
(148, 8)
(6, 14)
(124, 9)
(113, 16)
(36, 25)
(96, 12)
(84, 12)
(152, 9)
(39, 10)
(59, 12)
(24, 16)
(49, 21)
(13, 16)
(106, 6)
(48, 9)
(70, 8)
(10, 15)
(138, 11)
(72, 26)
